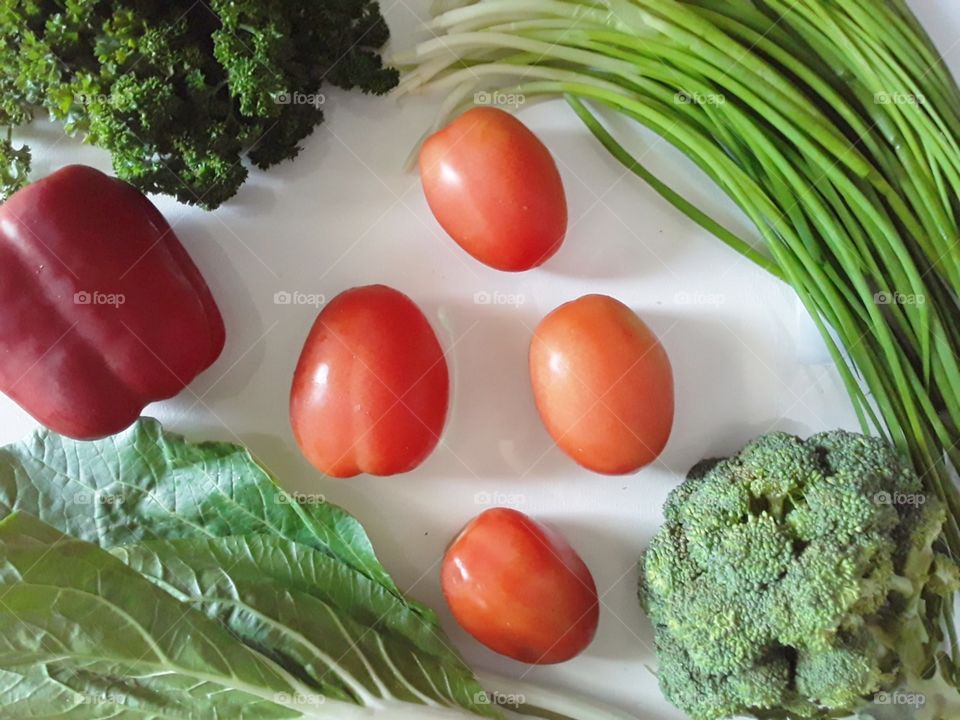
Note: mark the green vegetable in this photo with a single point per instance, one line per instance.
(147, 484)
(92, 619)
(796, 579)
(164, 579)
(181, 93)
(14, 166)
(835, 126)
(257, 585)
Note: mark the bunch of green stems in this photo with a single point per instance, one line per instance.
(833, 124)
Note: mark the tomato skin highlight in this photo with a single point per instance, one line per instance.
(603, 385)
(520, 589)
(495, 189)
(371, 388)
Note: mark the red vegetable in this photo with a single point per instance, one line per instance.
(101, 309)
(370, 391)
(520, 589)
(495, 189)
(603, 384)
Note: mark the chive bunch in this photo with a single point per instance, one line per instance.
(833, 124)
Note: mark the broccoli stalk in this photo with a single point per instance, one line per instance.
(798, 579)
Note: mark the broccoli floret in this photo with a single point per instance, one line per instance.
(755, 553)
(708, 696)
(796, 579)
(844, 673)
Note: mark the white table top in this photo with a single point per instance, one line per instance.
(745, 358)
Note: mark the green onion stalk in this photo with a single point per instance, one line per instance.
(833, 124)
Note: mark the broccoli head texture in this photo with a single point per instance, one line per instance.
(796, 579)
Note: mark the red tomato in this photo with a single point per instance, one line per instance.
(495, 189)
(370, 391)
(520, 589)
(603, 384)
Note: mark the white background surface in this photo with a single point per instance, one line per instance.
(344, 214)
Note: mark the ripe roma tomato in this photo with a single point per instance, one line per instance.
(603, 384)
(370, 391)
(520, 589)
(495, 189)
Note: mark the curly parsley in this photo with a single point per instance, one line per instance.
(182, 91)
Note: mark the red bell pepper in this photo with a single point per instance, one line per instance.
(102, 311)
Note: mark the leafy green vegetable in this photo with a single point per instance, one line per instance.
(84, 617)
(180, 92)
(148, 484)
(279, 596)
(64, 693)
(796, 579)
(14, 166)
